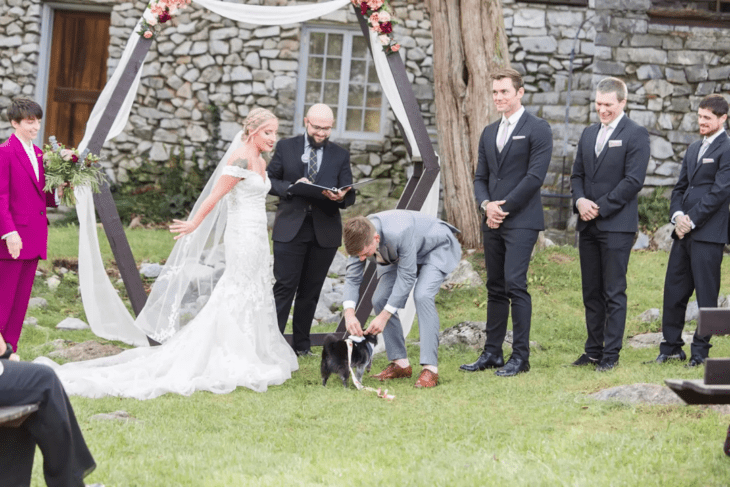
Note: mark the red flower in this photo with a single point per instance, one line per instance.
(364, 8)
(74, 158)
(386, 27)
(165, 16)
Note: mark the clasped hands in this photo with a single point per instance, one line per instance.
(683, 225)
(495, 215)
(587, 209)
(332, 195)
(376, 325)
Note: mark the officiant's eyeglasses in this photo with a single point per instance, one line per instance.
(317, 128)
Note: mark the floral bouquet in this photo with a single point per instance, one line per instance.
(67, 165)
(159, 12)
(377, 13)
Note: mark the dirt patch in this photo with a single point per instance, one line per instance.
(561, 258)
(71, 264)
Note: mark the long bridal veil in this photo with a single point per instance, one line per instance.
(192, 269)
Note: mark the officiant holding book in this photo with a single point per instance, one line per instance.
(307, 229)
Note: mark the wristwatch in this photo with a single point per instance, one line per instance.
(484, 205)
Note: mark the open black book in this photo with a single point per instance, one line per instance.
(311, 190)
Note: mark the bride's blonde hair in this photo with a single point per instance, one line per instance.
(254, 121)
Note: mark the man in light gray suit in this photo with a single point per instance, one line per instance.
(415, 252)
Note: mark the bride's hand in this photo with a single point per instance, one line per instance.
(182, 227)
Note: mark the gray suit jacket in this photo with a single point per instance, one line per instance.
(407, 239)
(614, 178)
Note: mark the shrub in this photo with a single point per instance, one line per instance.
(653, 210)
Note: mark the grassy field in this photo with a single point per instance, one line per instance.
(539, 428)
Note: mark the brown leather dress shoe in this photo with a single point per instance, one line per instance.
(427, 379)
(392, 371)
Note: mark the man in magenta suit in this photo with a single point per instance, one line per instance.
(23, 221)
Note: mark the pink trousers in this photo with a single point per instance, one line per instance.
(16, 283)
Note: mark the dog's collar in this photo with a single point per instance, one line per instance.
(384, 394)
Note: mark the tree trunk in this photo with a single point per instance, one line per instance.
(470, 43)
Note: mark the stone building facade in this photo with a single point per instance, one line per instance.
(207, 60)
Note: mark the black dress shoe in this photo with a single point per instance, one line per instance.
(304, 353)
(585, 360)
(513, 367)
(663, 357)
(694, 361)
(485, 361)
(607, 364)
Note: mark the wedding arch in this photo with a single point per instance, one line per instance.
(109, 117)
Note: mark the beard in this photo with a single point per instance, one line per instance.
(315, 144)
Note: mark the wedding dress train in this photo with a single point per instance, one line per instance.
(234, 340)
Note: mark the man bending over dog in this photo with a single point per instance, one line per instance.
(415, 252)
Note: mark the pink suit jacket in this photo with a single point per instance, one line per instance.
(22, 200)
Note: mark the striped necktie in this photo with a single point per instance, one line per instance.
(312, 166)
(703, 149)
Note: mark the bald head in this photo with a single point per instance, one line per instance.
(319, 122)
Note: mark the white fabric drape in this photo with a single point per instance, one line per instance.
(105, 311)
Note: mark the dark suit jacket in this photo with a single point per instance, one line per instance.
(703, 190)
(614, 178)
(285, 168)
(22, 200)
(516, 174)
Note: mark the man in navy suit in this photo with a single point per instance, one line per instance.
(608, 173)
(514, 155)
(699, 211)
(307, 231)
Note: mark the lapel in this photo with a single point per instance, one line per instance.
(589, 153)
(505, 150)
(22, 158)
(491, 150)
(614, 135)
(325, 160)
(385, 248)
(708, 153)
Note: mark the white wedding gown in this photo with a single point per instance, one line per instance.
(233, 341)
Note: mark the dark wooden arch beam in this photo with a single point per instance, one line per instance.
(425, 172)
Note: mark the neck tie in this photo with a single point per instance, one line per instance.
(602, 136)
(703, 149)
(312, 166)
(503, 139)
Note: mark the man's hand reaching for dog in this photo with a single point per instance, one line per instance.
(378, 323)
(352, 323)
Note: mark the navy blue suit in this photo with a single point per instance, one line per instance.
(703, 193)
(515, 175)
(307, 232)
(612, 180)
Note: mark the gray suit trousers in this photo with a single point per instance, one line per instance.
(427, 286)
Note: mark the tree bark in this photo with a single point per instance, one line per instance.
(470, 43)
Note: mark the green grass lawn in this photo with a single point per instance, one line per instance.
(538, 428)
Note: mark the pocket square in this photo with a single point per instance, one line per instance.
(707, 160)
(614, 143)
(518, 137)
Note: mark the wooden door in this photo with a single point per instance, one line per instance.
(77, 72)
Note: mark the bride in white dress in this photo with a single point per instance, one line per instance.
(234, 339)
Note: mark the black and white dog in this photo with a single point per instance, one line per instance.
(334, 357)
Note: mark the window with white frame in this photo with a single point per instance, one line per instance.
(336, 68)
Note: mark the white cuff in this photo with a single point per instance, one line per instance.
(9, 234)
(390, 309)
(348, 304)
(58, 198)
(674, 217)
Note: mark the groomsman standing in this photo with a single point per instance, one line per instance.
(23, 221)
(699, 211)
(307, 231)
(608, 173)
(514, 155)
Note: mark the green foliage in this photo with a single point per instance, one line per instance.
(653, 210)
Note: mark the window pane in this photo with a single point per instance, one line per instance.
(372, 74)
(359, 47)
(332, 69)
(316, 43)
(313, 92)
(354, 120)
(372, 121)
(334, 45)
(314, 69)
(334, 110)
(374, 97)
(354, 96)
(357, 72)
(331, 93)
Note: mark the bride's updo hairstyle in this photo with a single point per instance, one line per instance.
(255, 121)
